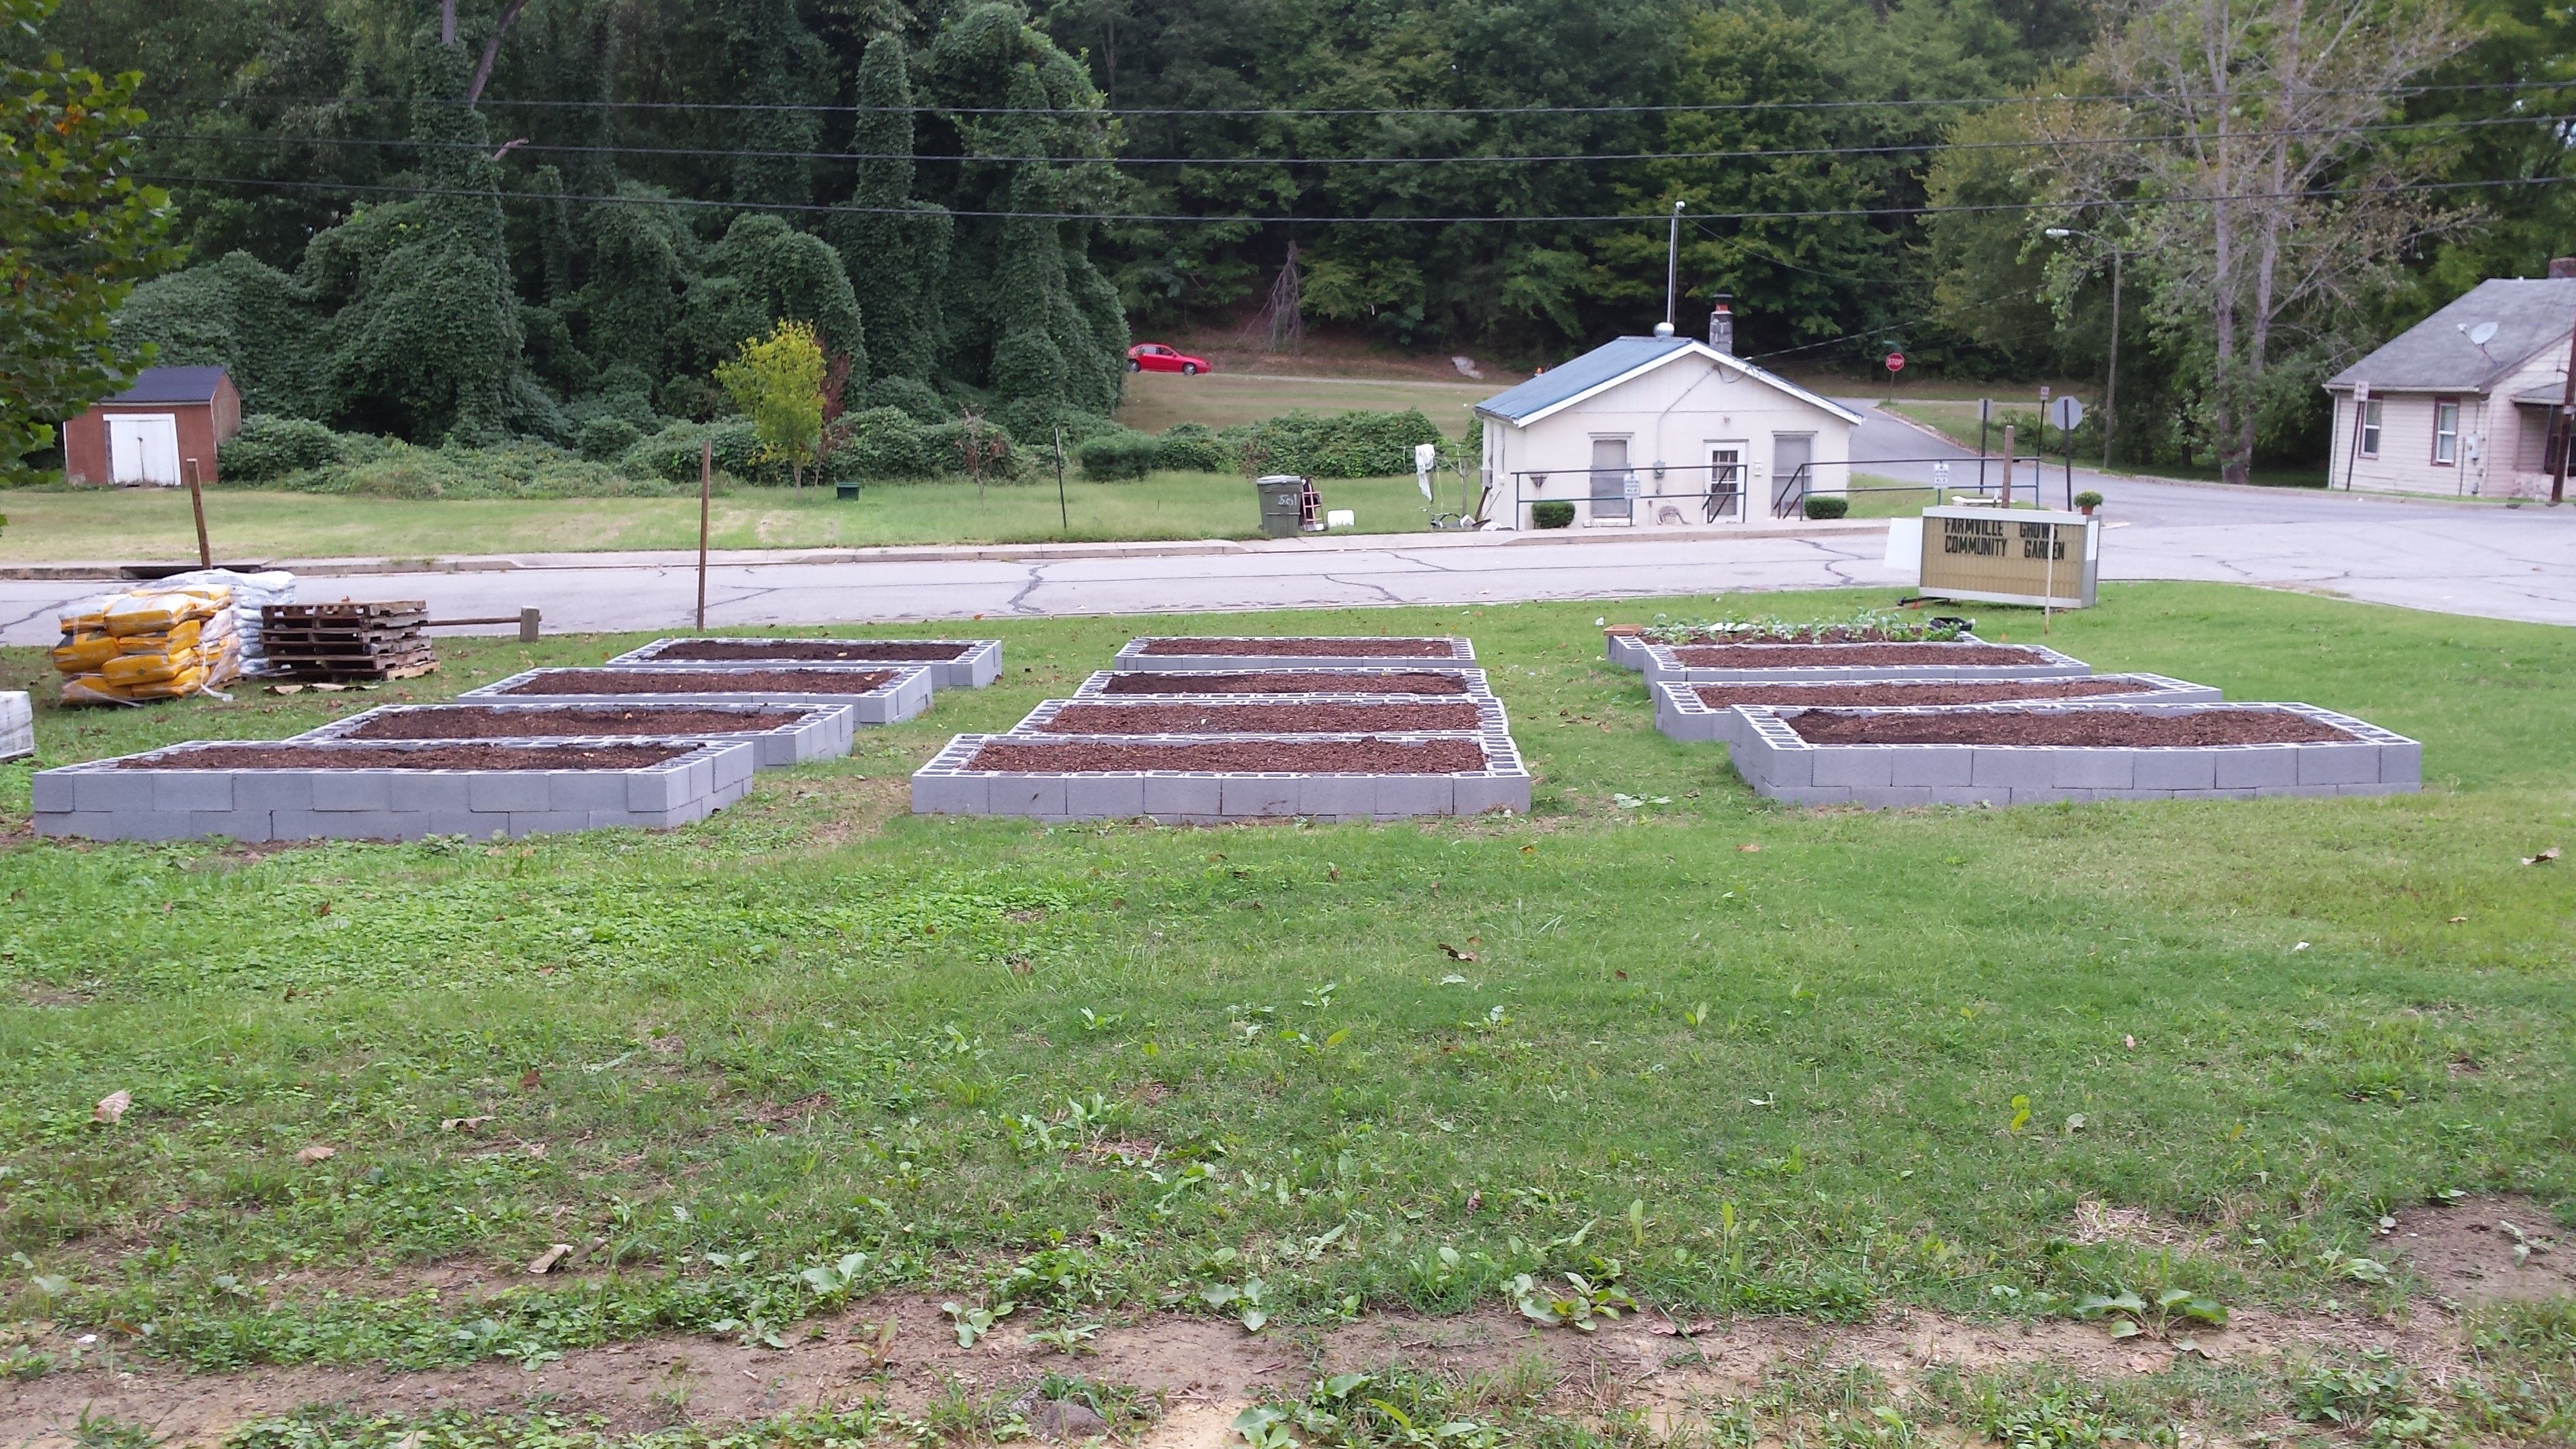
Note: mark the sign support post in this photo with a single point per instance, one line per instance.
(706, 490)
(2360, 420)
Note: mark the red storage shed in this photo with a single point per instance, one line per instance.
(149, 432)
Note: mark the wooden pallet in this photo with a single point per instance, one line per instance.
(347, 641)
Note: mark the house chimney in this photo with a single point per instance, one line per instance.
(2561, 268)
(1721, 325)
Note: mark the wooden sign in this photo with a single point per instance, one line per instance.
(2011, 556)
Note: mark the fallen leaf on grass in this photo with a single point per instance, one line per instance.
(2542, 858)
(111, 1107)
(462, 1124)
(531, 1080)
(1748, 848)
(2129, 1042)
(2455, 920)
(311, 1155)
(545, 1262)
(1454, 954)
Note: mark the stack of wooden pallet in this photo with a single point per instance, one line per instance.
(326, 642)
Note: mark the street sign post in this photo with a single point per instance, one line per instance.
(2068, 414)
(2360, 417)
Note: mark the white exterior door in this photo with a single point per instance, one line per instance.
(143, 448)
(1725, 481)
(1790, 454)
(1610, 499)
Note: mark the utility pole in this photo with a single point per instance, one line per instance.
(2566, 407)
(1672, 270)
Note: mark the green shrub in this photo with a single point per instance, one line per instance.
(268, 448)
(1827, 505)
(1559, 514)
(672, 454)
(387, 468)
(605, 440)
(947, 445)
(1341, 445)
(884, 442)
(2088, 499)
(1119, 455)
(915, 398)
(1193, 448)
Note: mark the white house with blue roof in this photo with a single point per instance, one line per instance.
(1661, 432)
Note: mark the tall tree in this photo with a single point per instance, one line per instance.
(76, 232)
(2265, 206)
(894, 247)
(773, 58)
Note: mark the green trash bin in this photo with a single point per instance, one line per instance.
(1283, 504)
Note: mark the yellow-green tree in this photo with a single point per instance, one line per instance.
(777, 381)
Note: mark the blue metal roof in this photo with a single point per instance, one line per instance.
(172, 385)
(1608, 362)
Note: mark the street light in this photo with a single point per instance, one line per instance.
(2111, 380)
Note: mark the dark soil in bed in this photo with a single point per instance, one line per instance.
(705, 681)
(1803, 636)
(1773, 656)
(1258, 719)
(465, 722)
(2116, 728)
(1367, 757)
(435, 757)
(1350, 648)
(829, 651)
(1975, 691)
(1285, 681)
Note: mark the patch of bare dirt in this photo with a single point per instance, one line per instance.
(2466, 1252)
(1206, 1369)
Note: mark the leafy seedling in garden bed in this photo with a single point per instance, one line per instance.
(2133, 1316)
(1575, 1310)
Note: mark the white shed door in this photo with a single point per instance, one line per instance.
(143, 448)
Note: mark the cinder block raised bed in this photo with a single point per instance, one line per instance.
(1706, 712)
(1776, 663)
(965, 780)
(953, 663)
(780, 735)
(876, 694)
(338, 790)
(1274, 714)
(2340, 756)
(1430, 683)
(17, 724)
(1200, 652)
(1625, 646)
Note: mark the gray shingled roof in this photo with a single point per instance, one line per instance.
(172, 385)
(2436, 354)
(1621, 357)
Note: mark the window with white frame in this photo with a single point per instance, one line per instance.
(2446, 432)
(2370, 428)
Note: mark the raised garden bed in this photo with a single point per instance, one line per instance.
(1970, 754)
(1707, 711)
(1265, 715)
(1185, 779)
(953, 663)
(1430, 682)
(1779, 663)
(330, 790)
(1158, 652)
(875, 695)
(781, 735)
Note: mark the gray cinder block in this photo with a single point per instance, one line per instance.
(350, 789)
(1119, 796)
(17, 724)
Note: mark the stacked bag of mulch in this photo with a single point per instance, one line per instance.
(250, 592)
(160, 641)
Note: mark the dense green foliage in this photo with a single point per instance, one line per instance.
(76, 231)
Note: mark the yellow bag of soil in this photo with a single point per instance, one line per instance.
(84, 653)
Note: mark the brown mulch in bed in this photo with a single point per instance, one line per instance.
(465, 722)
(1257, 719)
(829, 651)
(1285, 681)
(1770, 656)
(1359, 647)
(704, 681)
(436, 757)
(2097, 727)
(1971, 691)
(1368, 756)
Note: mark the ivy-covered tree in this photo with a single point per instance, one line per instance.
(893, 246)
(773, 57)
(76, 232)
(765, 272)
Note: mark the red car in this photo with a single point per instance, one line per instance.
(1155, 357)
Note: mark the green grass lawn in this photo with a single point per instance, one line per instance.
(1726, 1055)
(1156, 400)
(153, 524)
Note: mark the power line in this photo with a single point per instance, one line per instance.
(1291, 220)
(1079, 113)
(1892, 149)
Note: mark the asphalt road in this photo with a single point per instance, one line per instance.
(2476, 559)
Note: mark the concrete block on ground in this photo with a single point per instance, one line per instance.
(17, 724)
(1133, 657)
(977, 663)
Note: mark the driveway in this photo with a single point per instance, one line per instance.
(2476, 559)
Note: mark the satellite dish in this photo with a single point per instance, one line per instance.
(2481, 333)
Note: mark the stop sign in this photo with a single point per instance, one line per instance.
(1896, 362)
